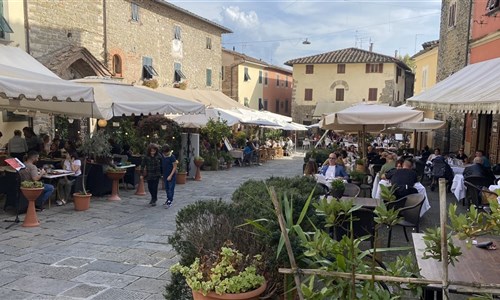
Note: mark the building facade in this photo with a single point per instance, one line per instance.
(345, 77)
(277, 90)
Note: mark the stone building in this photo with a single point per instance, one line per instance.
(452, 56)
(132, 40)
(343, 77)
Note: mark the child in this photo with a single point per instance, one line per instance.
(169, 170)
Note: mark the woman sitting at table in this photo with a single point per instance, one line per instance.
(72, 164)
(461, 155)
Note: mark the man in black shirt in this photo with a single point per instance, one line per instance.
(478, 169)
(405, 179)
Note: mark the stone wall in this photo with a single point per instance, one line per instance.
(54, 24)
(453, 41)
(153, 36)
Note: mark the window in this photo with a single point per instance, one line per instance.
(374, 68)
(246, 76)
(261, 104)
(265, 78)
(117, 65)
(341, 69)
(309, 69)
(222, 74)
(452, 15)
(286, 105)
(260, 76)
(277, 105)
(398, 73)
(265, 104)
(308, 94)
(177, 32)
(135, 11)
(209, 77)
(178, 74)
(492, 5)
(398, 96)
(372, 94)
(277, 80)
(246, 102)
(209, 43)
(147, 68)
(286, 82)
(339, 95)
(4, 26)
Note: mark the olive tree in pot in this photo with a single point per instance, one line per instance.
(94, 146)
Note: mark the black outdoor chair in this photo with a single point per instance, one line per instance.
(476, 195)
(478, 182)
(396, 204)
(363, 224)
(351, 190)
(410, 214)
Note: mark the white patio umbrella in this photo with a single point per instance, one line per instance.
(27, 85)
(114, 98)
(369, 117)
(201, 120)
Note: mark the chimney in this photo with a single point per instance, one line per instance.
(371, 47)
(234, 49)
(396, 53)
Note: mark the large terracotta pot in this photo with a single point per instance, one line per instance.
(115, 176)
(198, 164)
(181, 178)
(31, 194)
(252, 295)
(81, 201)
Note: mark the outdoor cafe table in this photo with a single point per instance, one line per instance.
(54, 174)
(474, 265)
(364, 202)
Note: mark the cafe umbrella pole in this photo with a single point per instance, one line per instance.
(444, 240)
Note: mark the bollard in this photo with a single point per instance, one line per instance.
(140, 187)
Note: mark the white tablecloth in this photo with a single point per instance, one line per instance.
(420, 188)
(458, 187)
(458, 169)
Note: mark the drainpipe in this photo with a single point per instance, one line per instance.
(232, 67)
(104, 32)
(26, 26)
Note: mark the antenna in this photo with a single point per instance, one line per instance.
(306, 42)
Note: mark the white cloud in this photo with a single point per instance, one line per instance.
(240, 18)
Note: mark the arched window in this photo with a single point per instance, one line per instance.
(117, 65)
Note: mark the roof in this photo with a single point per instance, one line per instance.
(284, 70)
(346, 56)
(246, 57)
(428, 46)
(187, 12)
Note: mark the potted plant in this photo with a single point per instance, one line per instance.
(181, 173)
(360, 165)
(228, 158)
(337, 189)
(228, 274)
(31, 190)
(357, 177)
(387, 192)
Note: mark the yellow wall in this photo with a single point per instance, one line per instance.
(325, 80)
(251, 89)
(14, 14)
(425, 62)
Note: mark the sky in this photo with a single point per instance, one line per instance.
(274, 31)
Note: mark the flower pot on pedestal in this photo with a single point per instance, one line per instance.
(198, 163)
(181, 178)
(115, 176)
(81, 201)
(31, 194)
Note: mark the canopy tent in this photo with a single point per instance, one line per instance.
(114, 98)
(200, 120)
(474, 88)
(209, 98)
(369, 117)
(326, 108)
(27, 85)
(425, 125)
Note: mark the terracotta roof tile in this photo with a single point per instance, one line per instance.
(345, 56)
(428, 46)
(246, 57)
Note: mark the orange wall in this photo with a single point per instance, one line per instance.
(490, 23)
(485, 52)
(271, 91)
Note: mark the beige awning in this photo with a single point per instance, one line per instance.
(326, 108)
(474, 89)
(209, 98)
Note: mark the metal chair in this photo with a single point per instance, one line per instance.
(410, 214)
(363, 224)
(477, 182)
(351, 190)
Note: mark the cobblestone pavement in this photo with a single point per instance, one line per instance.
(115, 250)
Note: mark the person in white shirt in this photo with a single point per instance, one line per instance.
(73, 164)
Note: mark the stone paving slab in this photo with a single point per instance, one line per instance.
(106, 278)
(40, 285)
